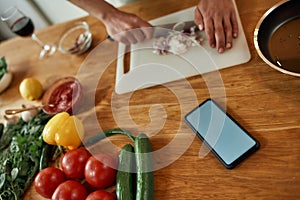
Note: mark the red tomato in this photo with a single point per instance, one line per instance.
(47, 180)
(70, 190)
(73, 162)
(100, 171)
(101, 195)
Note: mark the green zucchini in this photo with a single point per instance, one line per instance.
(124, 184)
(144, 168)
(96, 138)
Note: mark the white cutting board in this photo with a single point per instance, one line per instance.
(148, 69)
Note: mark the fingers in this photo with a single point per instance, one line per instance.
(133, 36)
(218, 19)
(219, 34)
(138, 35)
(206, 25)
(123, 37)
(127, 28)
(148, 32)
(214, 31)
(210, 32)
(228, 33)
(235, 27)
(199, 19)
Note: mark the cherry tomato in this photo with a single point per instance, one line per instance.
(47, 180)
(73, 162)
(100, 171)
(69, 190)
(101, 195)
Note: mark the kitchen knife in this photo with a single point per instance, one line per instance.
(178, 26)
(164, 29)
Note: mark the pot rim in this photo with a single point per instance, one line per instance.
(261, 55)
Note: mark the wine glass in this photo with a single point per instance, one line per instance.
(23, 26)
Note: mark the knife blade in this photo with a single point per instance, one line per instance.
(165, 29)
(178, 26)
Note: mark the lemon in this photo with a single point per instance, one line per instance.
(31, 89)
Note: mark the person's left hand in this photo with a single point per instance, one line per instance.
(218, 19)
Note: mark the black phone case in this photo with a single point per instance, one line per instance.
(239, 159)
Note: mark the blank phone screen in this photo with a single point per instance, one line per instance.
(222, 134)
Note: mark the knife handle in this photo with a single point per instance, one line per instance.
(110, 38)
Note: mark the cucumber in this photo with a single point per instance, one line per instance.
(144, 168)
(124, 184)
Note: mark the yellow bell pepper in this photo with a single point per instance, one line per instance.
(64, 130)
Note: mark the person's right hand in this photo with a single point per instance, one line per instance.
(127, 28)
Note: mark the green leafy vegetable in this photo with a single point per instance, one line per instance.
(3, 66)
(22, 152)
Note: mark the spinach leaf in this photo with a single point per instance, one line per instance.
(21, 150)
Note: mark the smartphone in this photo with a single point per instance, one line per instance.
(227, 139)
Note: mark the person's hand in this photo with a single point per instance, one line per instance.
(218, 19)
(121, 26)
(127, 28)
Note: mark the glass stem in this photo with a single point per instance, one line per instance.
(35, 38)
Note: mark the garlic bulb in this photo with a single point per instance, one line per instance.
(29, 114)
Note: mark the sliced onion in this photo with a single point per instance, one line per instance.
(177, 41)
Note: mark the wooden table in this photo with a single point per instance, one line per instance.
(264, 101)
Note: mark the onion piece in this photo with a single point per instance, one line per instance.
(177, 41)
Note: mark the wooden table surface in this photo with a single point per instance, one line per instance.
(264, 101)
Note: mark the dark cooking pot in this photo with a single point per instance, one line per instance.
(277, 37)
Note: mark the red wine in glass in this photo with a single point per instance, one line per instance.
(23, 27)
